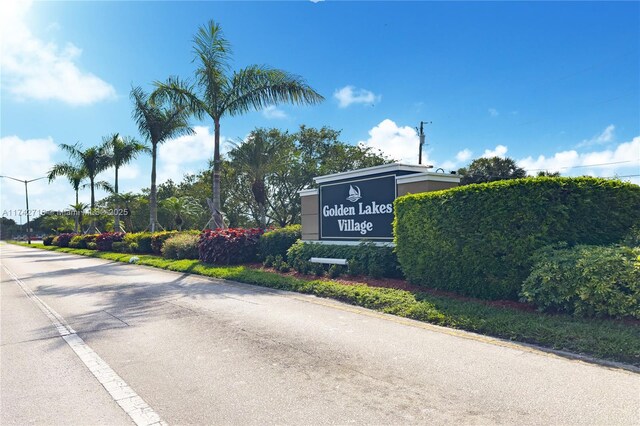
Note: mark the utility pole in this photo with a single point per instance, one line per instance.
(421, 135)
(26, 196)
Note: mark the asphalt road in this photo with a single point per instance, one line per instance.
(202, 351)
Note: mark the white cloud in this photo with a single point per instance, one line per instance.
(30, 159)
(37, 69)
(273, 112)
(499, 151)
(622, 160)
(493, 112)
(464, 155)
(607, 136)
(187, 154)
(399, 143)
(350, 95)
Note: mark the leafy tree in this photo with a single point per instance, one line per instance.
(308, 153)
(547, 173)
(8, 228)
(121, 151)
(217, 93)
(91, 161)
(157, 122)
(489, 170)
(74, 174)
(56, 222)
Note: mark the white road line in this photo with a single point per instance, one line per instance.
(122, 394)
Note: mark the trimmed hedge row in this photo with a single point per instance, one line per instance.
(277, 242)
(363, 259)
(478, 240)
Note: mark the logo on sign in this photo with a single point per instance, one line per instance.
(354, 194)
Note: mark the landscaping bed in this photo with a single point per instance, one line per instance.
(614, 340)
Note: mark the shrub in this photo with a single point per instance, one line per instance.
(119, 246)
(78, 241)
(48, 240)
(363, 259)
(632, 238)
(181, 246)
(90, 241)
(104, 241)
(229, 246)
(586, 281)
(63, 240)
(139, 242)
(158, 239)
(277, 242)
(477, 240)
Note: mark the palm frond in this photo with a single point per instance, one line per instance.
(257, 87)
(105, 186)
(157, 117)
(181, 94)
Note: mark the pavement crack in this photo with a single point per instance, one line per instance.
(39, 339)
(119, 319)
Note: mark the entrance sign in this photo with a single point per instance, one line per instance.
(358, 209)
(356, 205)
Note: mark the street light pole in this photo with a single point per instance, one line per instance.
(26, 196)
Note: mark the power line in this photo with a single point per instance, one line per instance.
(584, 165)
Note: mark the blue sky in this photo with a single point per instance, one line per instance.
(552, 85)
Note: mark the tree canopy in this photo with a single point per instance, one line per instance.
(489, 170)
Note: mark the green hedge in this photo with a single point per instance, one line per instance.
(78, 242)
(363, 259)
(181, 246)
(138, 242)
(478, 240)
(590, 281)
(277, 242)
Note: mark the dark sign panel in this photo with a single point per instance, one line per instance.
(358, 209)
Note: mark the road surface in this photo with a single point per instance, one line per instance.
(88, 341)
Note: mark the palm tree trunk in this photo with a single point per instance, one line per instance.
(153, 202)
(75, 214)
(116, 221)
(216, 215)
(93, 206)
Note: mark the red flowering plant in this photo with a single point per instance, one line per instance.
(105, 240)
(64, 239)
(229, 246)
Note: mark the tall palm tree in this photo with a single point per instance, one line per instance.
(158, 121)
(74, 174)
(121, 151)
(217, 93)
(92, 161)
(255, 159)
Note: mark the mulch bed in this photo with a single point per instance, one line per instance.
(401, 284)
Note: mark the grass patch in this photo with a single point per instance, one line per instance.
(606, 339)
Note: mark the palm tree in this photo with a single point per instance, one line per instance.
(120, 151)
(217, 93)
(157, 122)
(92, 161)
(255, 159)
(74, 174)
(181, 208)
